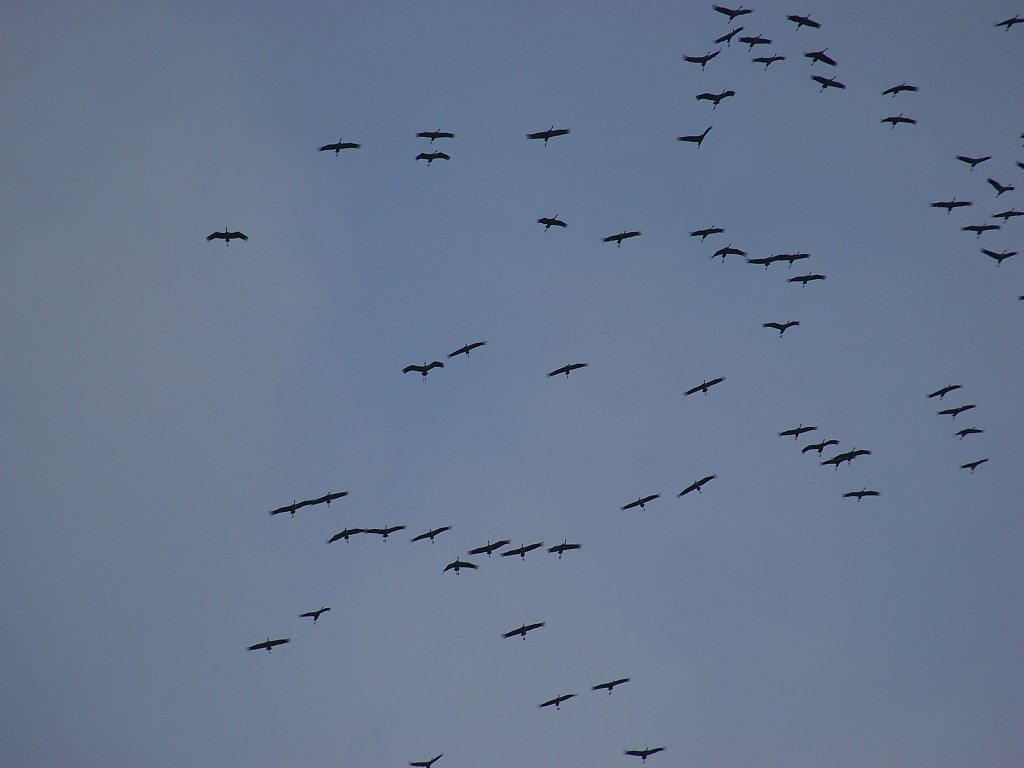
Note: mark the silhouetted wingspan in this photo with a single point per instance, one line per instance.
(465, 350)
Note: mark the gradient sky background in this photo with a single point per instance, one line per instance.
(163, 392)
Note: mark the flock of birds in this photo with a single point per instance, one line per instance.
(502, 546)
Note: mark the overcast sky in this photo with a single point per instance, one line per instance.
(163, 393)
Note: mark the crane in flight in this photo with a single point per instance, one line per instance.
(704, 386)
(521, 631)
(949, 205)
(848, 456)
(432, 135)
(702, 60)
(640, 502)
(1010, 22)
(999, 257)
(563, 548)
(717, 98)
(973, 465)
(643, 754)
(697, 485)
(703, 233)
(828, 82)
(522, 550)
(954, 412)
(1000, 188)
(732, 13)
(567, 369)
(424, 369)
(796, 431)
(860, 494)
(728, 36)
(457, 565)
(339, 145)
(895, 120)
(1007, 215)
(557, 701)
(728, 251)
(751, 40)
(899, 89)
(974, 162)
(426, 763)
(781, 327)
(824, 58)
(227, 236)
(430, 157)
(550, 133)
(314, 615)
(466, 349)
(431, 534)
(489, 548)
(386, 531)
(969, 431)
(768, 60)
(942, 392)
(697, 138)
(979, 229)
(609, 685)
(803, 21)
(346, 534)
(617, 239)
(268, 644)
(805, 279)
(551, 221)
(819, 447)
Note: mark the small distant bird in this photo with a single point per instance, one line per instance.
(824, 58)
(803, 21)
(562, 548)
(617, 239)
(941, 393)
(999, 257)
(702, 60)
(467, 348)
(290, 508)
(768, 60)
(978, 229)
(696, 485)
(489, 548)
(551, 221)
(566, 369)
(426, 763)
(346, 534)
(697, 138)
(703, 233)
(431, 534)
(704, 386)
(969, 431)
(226, 236)
(1000, 188)
(521, 551)
(751, 40)
(728, 251)
(973, 465)
(424, 369)
(457, 565)
(954, 412)
(386, 531)
(1007, 215)
(643, 754)
(430, 157)
(805, 279)
(860, 494)
(848, 456)
(521, 631)
(796, 431)
(640, 502)
(329, 497)
(764, 261)
(792, 258)
(899, 89)
(819, 447)
(1010, 22)
(268, 644)
(314, 615)
(973, 161)
(435, 135)
(949, 205)
(338, 146)
(715, 97)
(827, 82)
(727, 38)
(551, 133)
(781, 327)
(732, 13)
(895, 120)
(609, 685)
(557, 701)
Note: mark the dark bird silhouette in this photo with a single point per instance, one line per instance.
(954, 412)
(617, 239)
(643, 754)
(792, 258)
(467, 348)
(899, 89)
(941, 393)
(566, 369)
(550, 133)
(978, 229)
(895, 120)
(521, 631)
(1010, 22)
(848, 456)
(551, 221)
(426, 763)
(697, 138)
(431, 533)
(557, 701)
(949, 205)
(562, 548)
(768, 60)
(432, 156)
(435, 135)
(703, 233)
(819, 447)
(521, 551)
(858, 495)
(457, 565)
(1007, 215)
(715, 97)
(727, 38)
(973, 465)
(640, 502)
(314, 615)
(702, 60)
(764, 261)
(424, 369)
(805, 279)
(732, 13)
(346, 534)
(827, 82)
(969, 431)
(1000, 188)
(268, 644)
(796, 431)
(386, 531)
(999, 257)
(338, 146)
(488, 548)
(781, 327)
(704, 386)
(973, 161)
(609, 685)
(696, 485)
(226, 236)
(803, 21)
(751, 40)
(290, 508)
(728, 251)
(824, 58)
(329, 497)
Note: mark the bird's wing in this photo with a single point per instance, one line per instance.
(411, 368)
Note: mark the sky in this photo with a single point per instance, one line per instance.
(163, 393)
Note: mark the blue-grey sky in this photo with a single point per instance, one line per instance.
(163, 392)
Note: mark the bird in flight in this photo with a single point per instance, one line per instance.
(426, 763)
(805, 279)
(338, 146)
(702, 60)
(751, 40)
(895, 120)
(973, 465)
(781, 327)
(979, 229)
(954, 412)
(768, 60)
(1000, 188)
(521, 551)
(796, 431)
(557, 701)
(551, 221)
(550, 133)
(704, 386)
(949, 205)
(827, 82)
(567, 369)
(466, 349)
(697, 138)
(617, 239)
(563, 548)
(290, 508)
(703, 233)
(424, 369)
(792, 258)
(643, 754)
(860, 494)
(329, 497)
(803, 21)
(314, 615)
(1007, 215)
(609, 685)
(1010, 22)
(764, 261)
(732, 13)
(969, 431)
(849, 456)
(435, 135)
(346, 534)
(521, 631)
(227, 236)
(973, 161)
(819, 447)
(727, 38)
(430, 157)
(715, 97)
(728, 251)
(999, 257)
(696, 485)
(941, 393)
(386, 531)
(431, 533)
(489, 548)
(899, 89)
(268, 644)
(457, 565)
(824, 58)
(640, 502)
